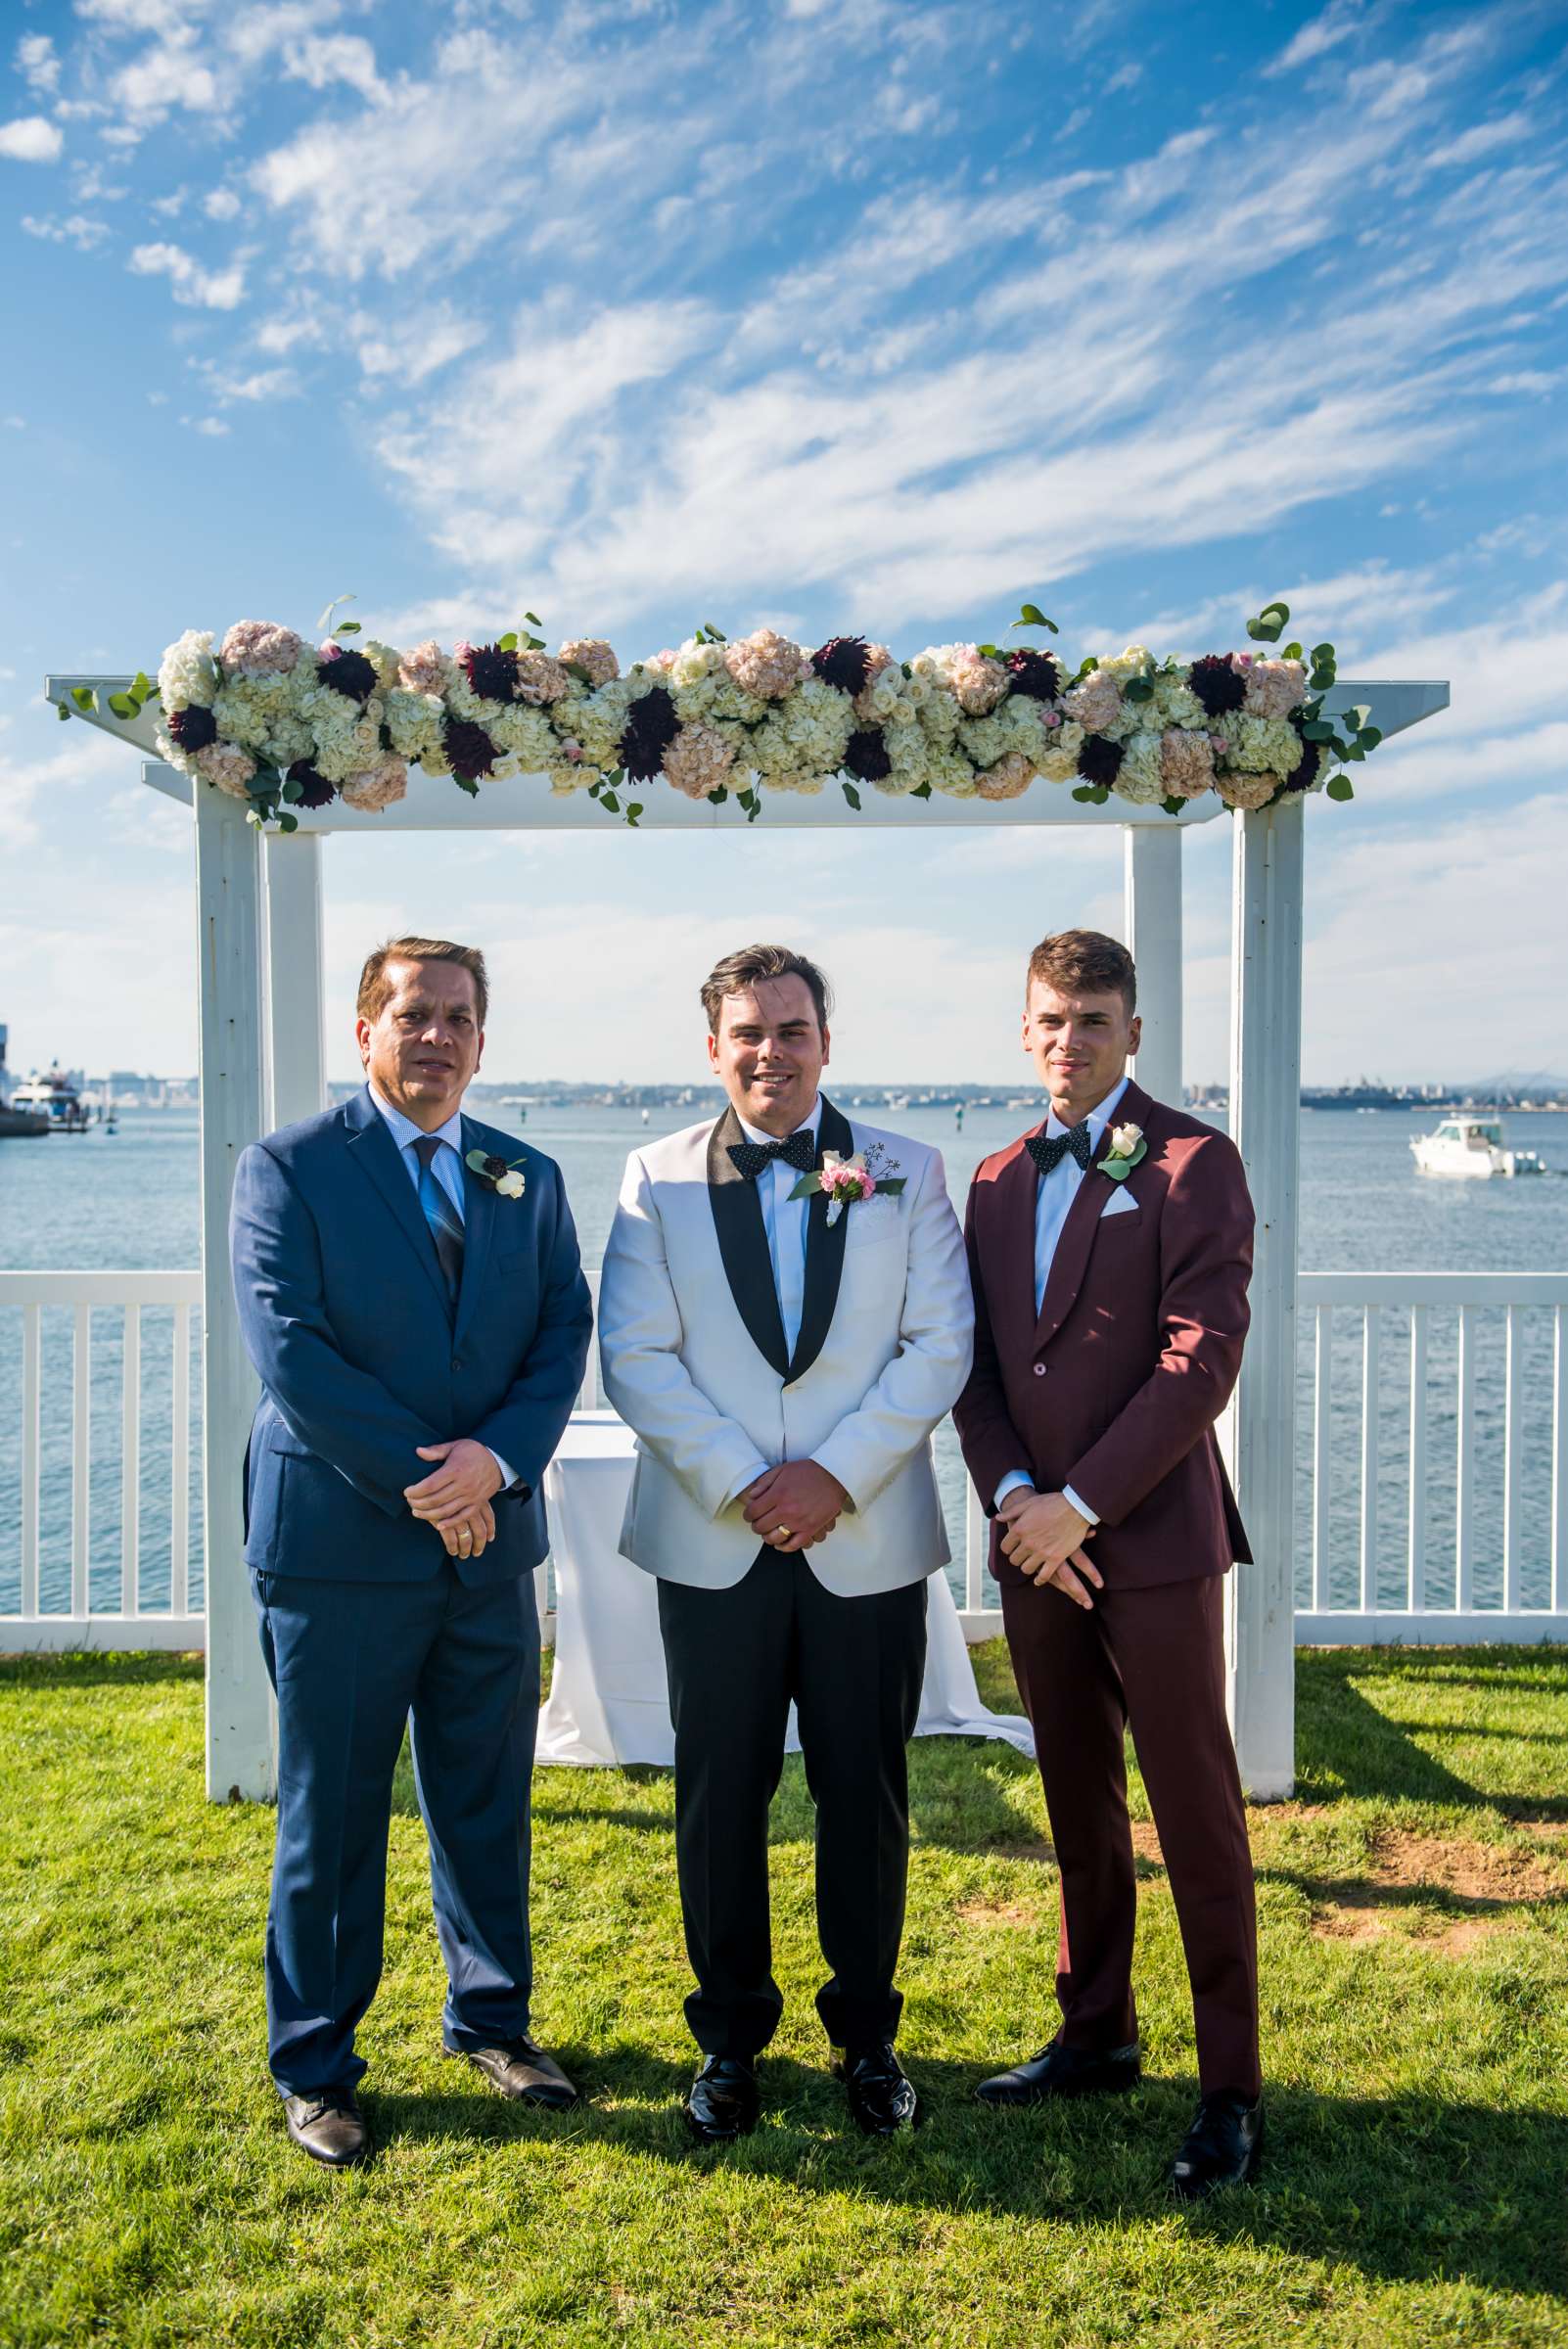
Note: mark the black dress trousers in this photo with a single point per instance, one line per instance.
(854, 1667)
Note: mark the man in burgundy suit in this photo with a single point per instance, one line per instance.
(1109, 1252)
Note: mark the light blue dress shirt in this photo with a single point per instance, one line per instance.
(447, 1167)
(784, 1220)
(1054, 1194)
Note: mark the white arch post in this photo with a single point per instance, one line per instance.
(262, 1065)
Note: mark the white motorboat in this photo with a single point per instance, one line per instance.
(1469, 1147)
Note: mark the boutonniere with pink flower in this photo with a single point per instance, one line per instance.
(506, 1181)
(868, 1175)
(1126, 1147)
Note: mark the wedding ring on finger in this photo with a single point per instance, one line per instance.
(785, 1530)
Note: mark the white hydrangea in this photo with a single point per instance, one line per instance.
(529, 736)
(188, 672)
(1140, 777)
(1176, 705)
(384, 658)
(1259, 746)
(806, 733)
(414, 724)
(599, 720)
(693, 662)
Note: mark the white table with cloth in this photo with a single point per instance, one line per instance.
(607, 1702)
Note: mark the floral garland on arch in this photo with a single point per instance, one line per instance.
(283, 724)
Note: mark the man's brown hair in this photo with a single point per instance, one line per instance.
(375, 988)
(748, 964)
(1085, 962)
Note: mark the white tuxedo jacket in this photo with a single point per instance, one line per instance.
(693, 1350)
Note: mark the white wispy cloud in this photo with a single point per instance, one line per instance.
(32, 139)
(77, 228)
(38, 63)
(201, 288)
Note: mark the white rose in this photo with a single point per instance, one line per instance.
(1125, 1139)
(510, 1186)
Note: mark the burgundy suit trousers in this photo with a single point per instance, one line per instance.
(1152, 1660)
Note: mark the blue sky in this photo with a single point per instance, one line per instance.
(835, 314)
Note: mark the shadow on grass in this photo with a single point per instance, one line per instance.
(1346, 1745)
(1404, 2189)
(98, 1668)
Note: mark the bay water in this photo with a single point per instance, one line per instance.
(129, 1201)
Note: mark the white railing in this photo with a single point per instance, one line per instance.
(1435, 1512)
(1433, 1438)
(58, 1502)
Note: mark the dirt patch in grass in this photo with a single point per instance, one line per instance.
(998, 1913)
(1477, 1888)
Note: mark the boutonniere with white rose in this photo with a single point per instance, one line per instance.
(1127, 1146)
(506, 1181)
(868, 1175)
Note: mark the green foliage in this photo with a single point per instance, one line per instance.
(1032, 617)
(1270, 624)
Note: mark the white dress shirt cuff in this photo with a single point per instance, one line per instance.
(508, 1475)
(1011, 1483)
(1082, 1506)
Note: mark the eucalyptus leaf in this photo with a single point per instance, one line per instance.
(324, 621)
(83, 696)
(1292, 652)
(574, 669)
(347, 628)
(534, 617)
(1357, 717)
(1316, 729)
(852, 796)
(508, 642)
(1173, 805)
(62, 713)
(125, 705)
(607, 800)
(617, 774)
(1323, 654)
(716, 635)
(633, 811)
(141, 687)
(1353, 750)
(1138, 689)
(1340, 787)
(288, 823)
(921, 791)
(465, 783)
(1083, 791)
(1032, 617)
(293, 791)
(716, 798)
(1372, 736)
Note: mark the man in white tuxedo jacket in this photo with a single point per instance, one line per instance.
(783, 1372)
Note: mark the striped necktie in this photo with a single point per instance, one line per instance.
(445, 1223)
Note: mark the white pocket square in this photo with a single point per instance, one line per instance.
(1119, 1203)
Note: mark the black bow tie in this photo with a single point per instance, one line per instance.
(1049, 1150)
(800, 1152)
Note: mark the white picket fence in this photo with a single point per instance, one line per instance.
(1434, 1501)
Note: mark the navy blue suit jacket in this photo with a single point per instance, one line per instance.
(344, 1314)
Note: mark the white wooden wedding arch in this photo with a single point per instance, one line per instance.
(263, 1064)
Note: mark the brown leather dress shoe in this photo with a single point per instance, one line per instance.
(519, 2070)
(329, 2126)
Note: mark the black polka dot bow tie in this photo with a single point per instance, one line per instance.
(800, 1152)
(1049, 1150)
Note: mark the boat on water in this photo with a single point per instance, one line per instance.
(1472, 1147)
(17, 1125)
(57, 1102)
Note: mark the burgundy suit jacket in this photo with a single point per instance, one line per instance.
(1114, 1388)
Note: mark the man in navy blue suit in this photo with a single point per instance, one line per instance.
(420, 1323)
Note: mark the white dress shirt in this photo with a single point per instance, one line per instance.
(785, 1222)
(447, 1167)
(1054, 1194)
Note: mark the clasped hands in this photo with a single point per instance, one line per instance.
(794, 1504)
(1045, 1540)
(456, 1497)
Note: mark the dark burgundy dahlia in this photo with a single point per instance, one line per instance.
(1099, 760)
(492, 671)
(468, 748)
(867, 757)
(1217, 685)
(194, 726)
(842, 662)
(651, 728)
(1033, 674)
(347, 673)
(314, 789)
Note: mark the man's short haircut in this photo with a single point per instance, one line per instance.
(741, 971)
(375, 988)
(1085, 962)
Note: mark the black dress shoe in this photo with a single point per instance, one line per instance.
(1221, 2147)
(881, 2097)
(329, 2126)
(721, 2103)
(517, 2068)
(1058, 2071)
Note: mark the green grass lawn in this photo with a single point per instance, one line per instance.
(1413, 1909)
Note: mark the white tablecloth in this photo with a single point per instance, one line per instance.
(607, 1701)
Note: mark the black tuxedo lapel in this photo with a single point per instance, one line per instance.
(480, 1206)
(372, 1148)
(742, 1245)
(1071, 1261)
(824, 1249)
